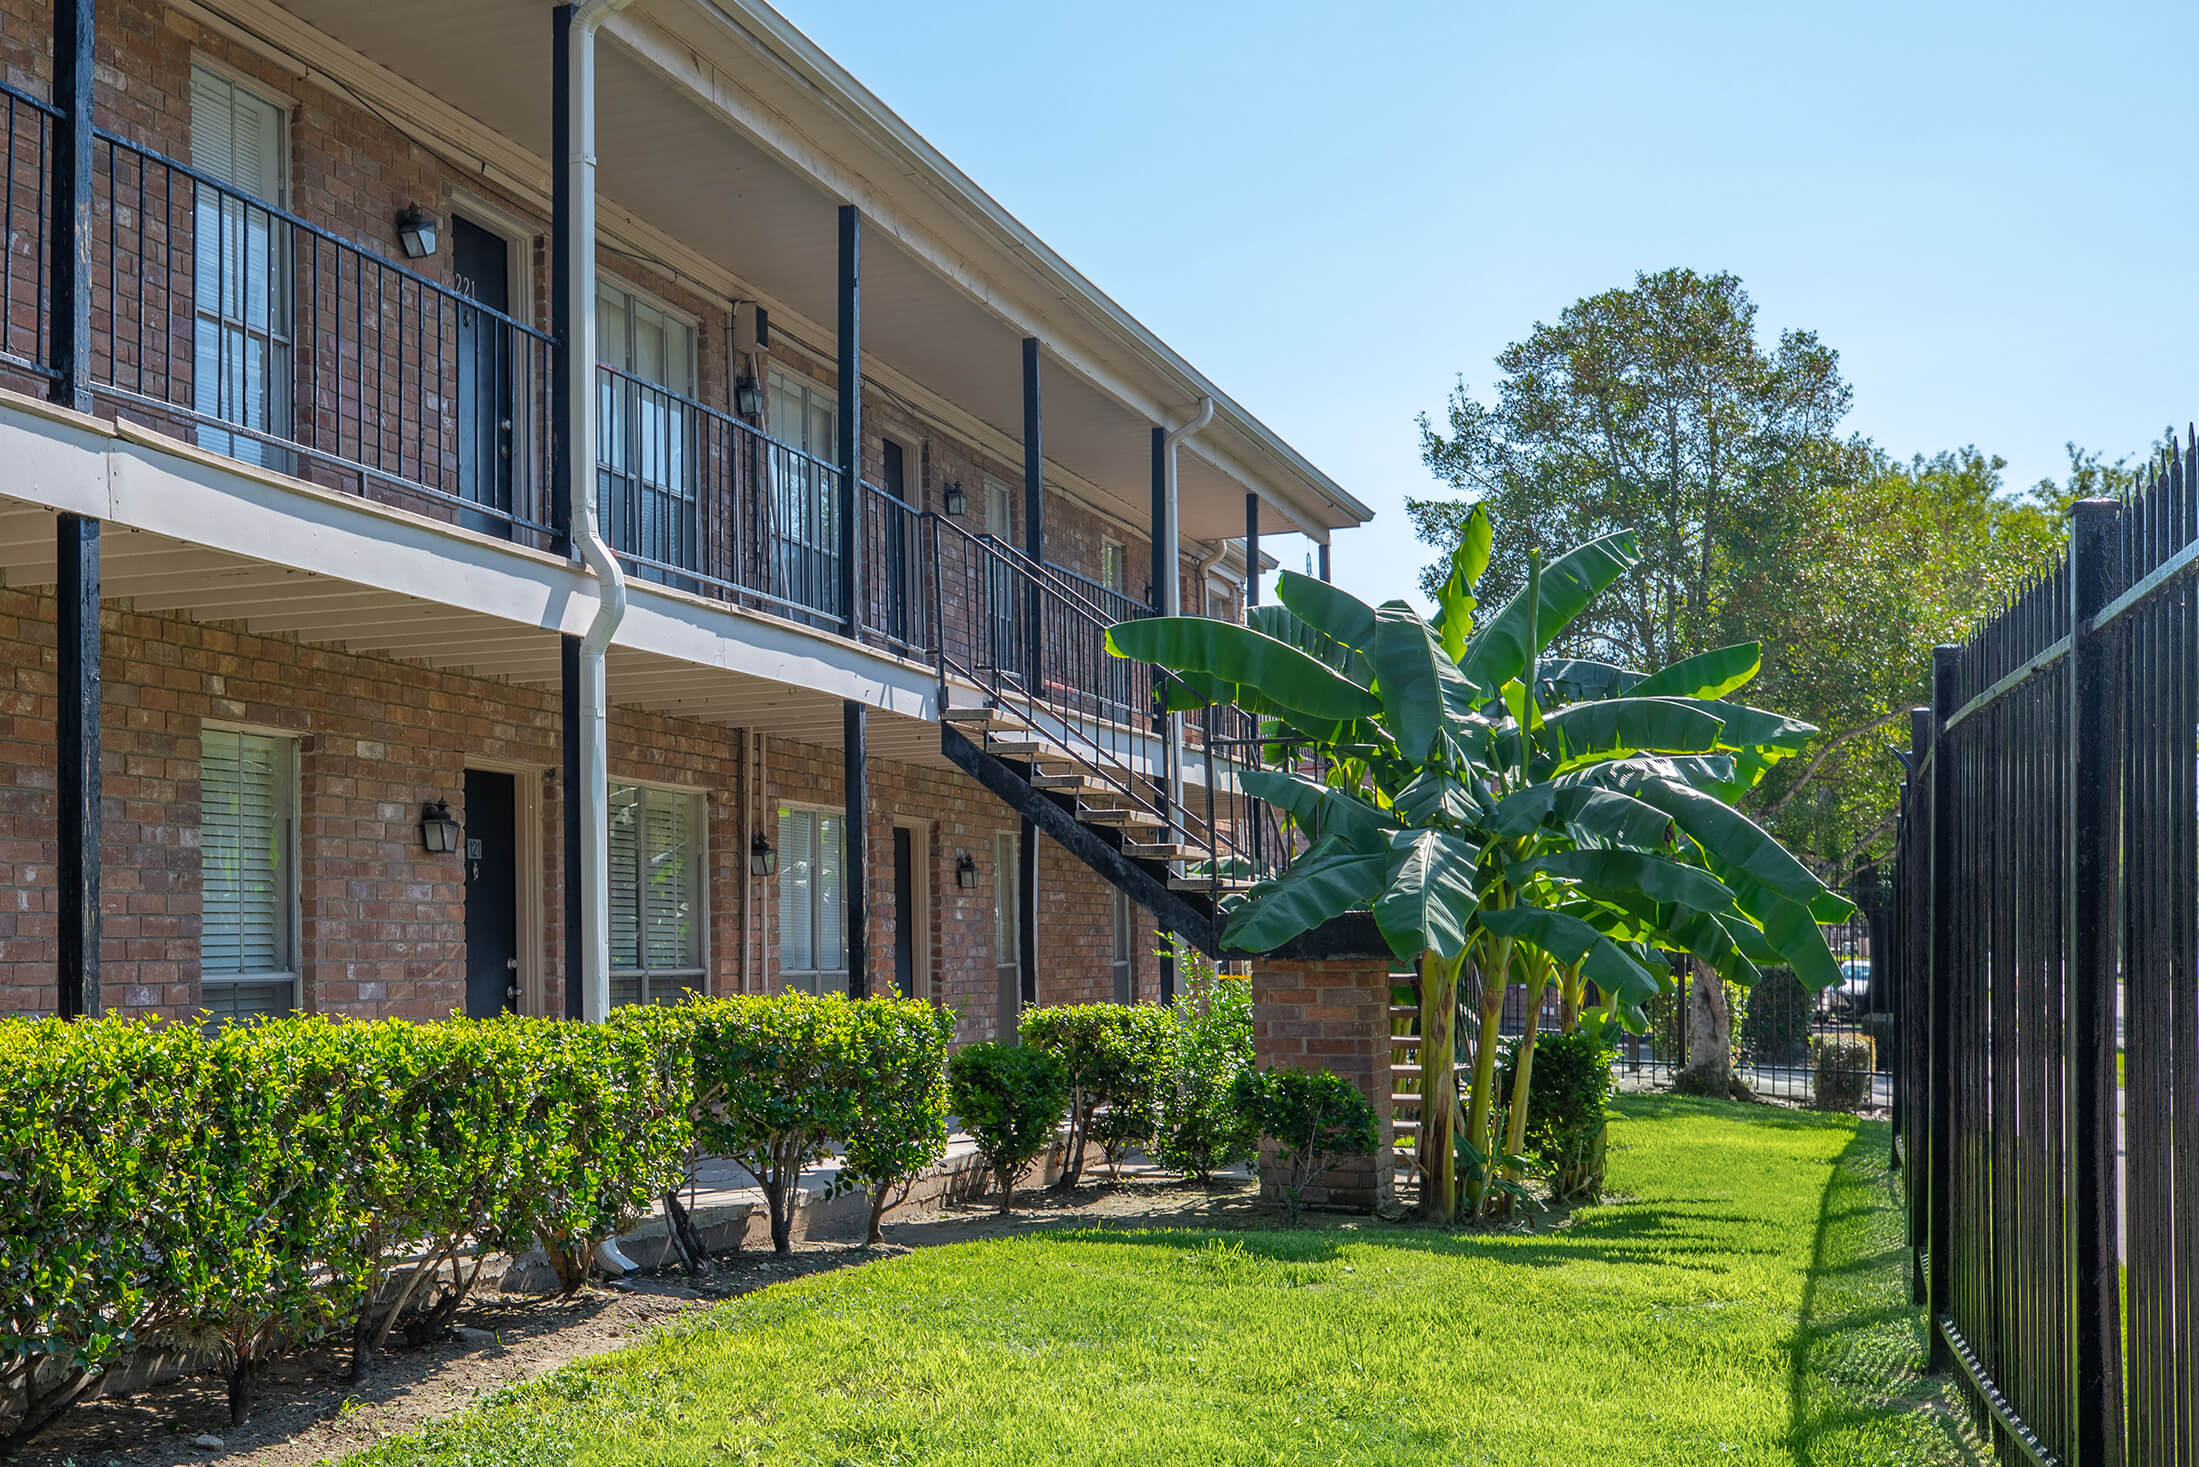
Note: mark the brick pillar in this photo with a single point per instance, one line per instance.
(1332, 1014)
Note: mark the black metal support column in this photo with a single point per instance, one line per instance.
(849, 455)
(569, 794)
(1027, 913)
(855, 838)
(1034, 502)
(1915, 990)
(2091, 915)
(1324, 560)
(76, 797)
(69, 246)
(1252, 550)
(1939, 1068)
(561, 322)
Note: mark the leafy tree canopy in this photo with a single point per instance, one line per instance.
(1658, 409)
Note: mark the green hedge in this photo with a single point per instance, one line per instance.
(1112, 1054)
(1316, 1118)
(257, 1185)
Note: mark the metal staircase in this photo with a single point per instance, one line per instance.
(1036, 710)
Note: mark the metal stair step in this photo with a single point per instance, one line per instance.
(1225, 887)
(1109, 816)
(1071, 784)
(1404, 1011)
(1013, 748)
(1164, 852)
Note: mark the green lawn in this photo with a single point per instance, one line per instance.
(1742, 1301)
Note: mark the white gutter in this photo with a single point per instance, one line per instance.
(1171, 590)
(580, 427)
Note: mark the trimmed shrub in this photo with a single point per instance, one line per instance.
(1111, 1053)
(1315, 1118)
(609, 1131)
(1567, 1091)
(1197, 1127)
(1843, 1067)
(105, 1175)
(777, 1080)
(901, 1112)
(1010, 1099)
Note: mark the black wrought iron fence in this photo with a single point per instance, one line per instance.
(2046, 993)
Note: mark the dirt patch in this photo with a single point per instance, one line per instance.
(308, 1412)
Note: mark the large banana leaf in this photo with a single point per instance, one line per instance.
(1285, 625)
(1421, 688)
(1705, 675)
(1328, 610)
(1732, 839)
(1571, 941)
(1428, 903)
(1321, 885)
(1608, 816)
(1454, 601)
(1438, 797)
(1793, 933)
(1560, 680)
(1660, 879)
(1332, 812)
(1284, 675)
(1617, 726)
(1502, 650)
(1704, 936)
(1773, 734)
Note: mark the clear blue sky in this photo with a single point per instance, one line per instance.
(1336, 210)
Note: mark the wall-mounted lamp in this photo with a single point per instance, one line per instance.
(762, 859)
(965, 872)
(416, 231)
(748, 398)
(957, 502)
(439, 829)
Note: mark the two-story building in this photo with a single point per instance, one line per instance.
(506, 506)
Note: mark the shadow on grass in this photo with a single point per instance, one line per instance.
(1855, 1348)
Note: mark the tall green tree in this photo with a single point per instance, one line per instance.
(1657, 410)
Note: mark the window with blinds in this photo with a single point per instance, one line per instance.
(657, 908)
(240, 269)
(248, 883)
(812, 901)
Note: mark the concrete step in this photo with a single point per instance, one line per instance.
(1138, 851)
(1013, 748)
(1071, 784)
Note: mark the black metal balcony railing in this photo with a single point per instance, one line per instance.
(25, 342)
(255, 333)
(262, 336)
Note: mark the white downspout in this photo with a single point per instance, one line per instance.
(1172, 593)
(580, 423)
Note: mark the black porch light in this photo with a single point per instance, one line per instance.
(965, 872)
(439, 829)
(957, 502)
(416, 232)
(748, 398)
(762, 859)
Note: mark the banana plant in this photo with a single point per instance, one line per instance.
(1502, 811)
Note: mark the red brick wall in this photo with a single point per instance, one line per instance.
(1075, 912)
(382, 922)
(1332, 1016)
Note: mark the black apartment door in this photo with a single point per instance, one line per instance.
(492, 894)
(897, 547)
(483, 262)
(905, 915)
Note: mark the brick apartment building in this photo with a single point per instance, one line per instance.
(299, 625)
